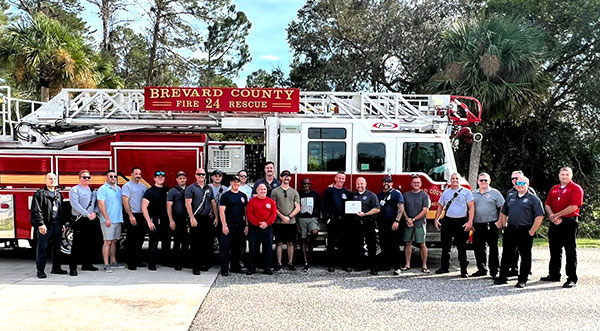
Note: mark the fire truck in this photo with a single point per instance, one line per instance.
(311, 134)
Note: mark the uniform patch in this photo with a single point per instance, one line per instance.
(268, 205)
(382, 202)
(364, 198)
(344, 196)
(243, 200)
(526, 200)
(488, 195)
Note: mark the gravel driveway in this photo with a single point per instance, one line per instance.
(319, 300)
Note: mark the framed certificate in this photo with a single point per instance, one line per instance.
(353, 207)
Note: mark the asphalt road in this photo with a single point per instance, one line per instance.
(319, 300)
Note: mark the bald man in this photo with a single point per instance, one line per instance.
(364, 225)
(47, 219)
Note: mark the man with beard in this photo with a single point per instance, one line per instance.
(83, 204)
(177, 220)
(154, 208)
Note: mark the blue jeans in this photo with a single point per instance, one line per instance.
(52, 237)
(258, 236)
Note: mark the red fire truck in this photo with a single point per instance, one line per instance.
(312, 134)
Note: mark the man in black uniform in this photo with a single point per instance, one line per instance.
(46, 216)
(154, 208)
(334, 198)
(234, 226)
(268, 180)
(392, 208)
(525, 213)
(363, 225)
(199, 203)
(177, 220)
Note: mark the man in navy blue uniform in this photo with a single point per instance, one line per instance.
(234, 226)
(388, 220)
(334, 198)
(524, 214)
(363, 225)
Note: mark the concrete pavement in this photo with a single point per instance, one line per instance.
(124, 300)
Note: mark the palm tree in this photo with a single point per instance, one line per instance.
(42, 53)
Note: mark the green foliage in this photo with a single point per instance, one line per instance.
(262, 78)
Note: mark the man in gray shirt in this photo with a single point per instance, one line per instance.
(84, 224)
(132, 193)
(416, 206)
(488, 202)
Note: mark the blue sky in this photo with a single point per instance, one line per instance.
(267, 39)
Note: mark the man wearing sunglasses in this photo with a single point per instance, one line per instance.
(524, 214)
(133, 193)
(488, 202)
(288, 206)
(200, 203)
(362, 227)
(308, 219)
(83, 222)
(154, 208)
(111, 218)
(244, 186)
(177, 220)
(388, 220)
(562, 205)
(232, 209)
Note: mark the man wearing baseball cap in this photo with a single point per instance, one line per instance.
(234, 227)
(288, 206)
(154, 208)
(177, 220)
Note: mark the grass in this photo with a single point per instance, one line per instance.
(581, 242)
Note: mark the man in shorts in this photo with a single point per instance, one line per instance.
(416, 206)
(288, 206)
(308, 218)
(111, 218)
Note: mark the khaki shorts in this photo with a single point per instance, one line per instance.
(416, 234)
(112, 233)
(307, 225)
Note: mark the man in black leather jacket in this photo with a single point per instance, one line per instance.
(46, 218)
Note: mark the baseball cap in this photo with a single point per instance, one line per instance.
(235, 178)
(285, 173)
(181, 173)
(387, 178)
(217, 172)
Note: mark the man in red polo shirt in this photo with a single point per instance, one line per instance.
(562, 206)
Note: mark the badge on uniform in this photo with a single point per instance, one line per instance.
(382, 202)
(344, 196)
(242, 199)
(268, 205)
(364, 198)
(525, 200)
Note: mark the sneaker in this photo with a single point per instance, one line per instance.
(107, 268)
(306, 267)
(500, 281)
(291, 267)
(177, 267)
(479, 273)
(520, 285)
(73, 272)
(196, 271)
(224, 273)
(397, 272)
(41, 274)
(131, 267)
(442, 271)
(569, 284)
(268, 271)
(277, 267)
(117, 265)
(152, 267)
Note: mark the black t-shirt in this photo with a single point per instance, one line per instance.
(310, 205)
(157, 198)
(235, 207)
(177, 196)
(334, 200)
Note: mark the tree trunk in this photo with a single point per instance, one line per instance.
(155, 35)
(105, 14)
(474, 162)
(45, 94)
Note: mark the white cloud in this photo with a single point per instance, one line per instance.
(270, 57)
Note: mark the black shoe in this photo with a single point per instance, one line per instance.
(479, 273)
(278, 267)
(59, 272)
(374, 272)
(493, 276)
(268, 271)
(224, 273)
(41, 274)
(520, 285)
(464, 274)
(291, 267)
(442, 271)
(550, 279)
(177, 267)
(132, 267)
(152, 267)
(73, 272)
(330, 269)
(196, 271)
(513, 272)
(348, 270)
(89, 267)
(500, 281)
(360, 269)
(569, 284)
(250, 272)
(306, 267)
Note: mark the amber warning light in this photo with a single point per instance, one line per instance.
(221, 99)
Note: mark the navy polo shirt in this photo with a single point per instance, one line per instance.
(522, 211)
(389, 204)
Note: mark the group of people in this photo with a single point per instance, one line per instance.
(187, 219)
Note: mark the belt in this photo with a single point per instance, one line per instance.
(575, 218)
(520, 226)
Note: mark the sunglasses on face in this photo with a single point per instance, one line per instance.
(159, 173)
(86, 177)
(243, 176)
(483, 180)
(218, 175)
(305, 183)
(112, 176)
(520, 183)
(200, 174)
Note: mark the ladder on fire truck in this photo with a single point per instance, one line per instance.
(76, 114)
